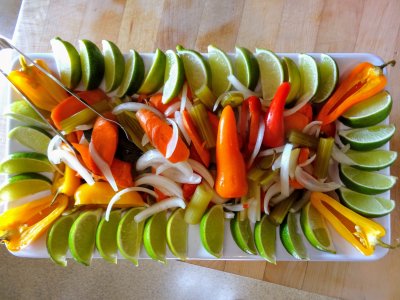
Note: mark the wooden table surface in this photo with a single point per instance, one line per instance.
(283, 26)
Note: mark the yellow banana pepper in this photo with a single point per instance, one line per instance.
(22, 225)
(100, 193)
(363, 233)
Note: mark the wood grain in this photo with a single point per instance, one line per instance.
(291, 26)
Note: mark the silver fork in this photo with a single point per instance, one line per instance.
(6, 44)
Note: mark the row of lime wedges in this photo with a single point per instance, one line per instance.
(207, 76)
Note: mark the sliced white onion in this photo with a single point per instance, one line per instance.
(84, 127)
(145, 139)
(252, 211)
(229, 215)
(174, 139)
(308, 161)
(312, 128)
(284, 172)
(202, 171)
(134, 106)
(184, 98)
(341, 157)
(24, 200)
(257, 147)
(54, 143)
(217, 199)
(161, 183)
(83, 140)
(234, 207)
(159, 207)
(218, 101)
(312, 184)
(172, 108)
(279, 198)
(179, 122)
(271, 192)
(118, 196)
(299, 204)
(177, 176)
(241, 88)
(271, 151)
(345, 148)
(103, 166)
(299, 104)
(277, 163)
(294, 156)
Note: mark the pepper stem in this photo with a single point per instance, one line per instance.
(391, 63)
(389, 246)
(23, 63)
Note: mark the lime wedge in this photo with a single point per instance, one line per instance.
(57, 239)
(221, 68)
(21, 111)
(243, 235)
(154, 240)
(129, 235)
(315, 229)
(106, 236)
(114, 65)
(370, 183)
(271, 72)
(291, 239)
(23, 162)
(292, 75)
(206, 96)
(22, 185)
(373, 160)
(369, 112)
(92, 63)
(177, 234)
(34, 138)
(367, 205)
(265, 239)
(197, 70)
(328, 78)
(309, 76)
(82, 236)
(174, 76)
(68, 62)
(246, 66)
(212, 230)
(368, 138)
(154, 79)
(133, 75)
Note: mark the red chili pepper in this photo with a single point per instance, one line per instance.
(255, 115)
(274, 135)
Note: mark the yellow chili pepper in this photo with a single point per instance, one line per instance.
(100, 193)
(71, 182)
(363, 233)
(22, 225)
(39, 88)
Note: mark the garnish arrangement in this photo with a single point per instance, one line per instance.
(175, 139)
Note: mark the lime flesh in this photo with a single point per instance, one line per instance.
(20, 110)
(247, 70)
(328, 77)
(154, 239)
(309, 76)
(114, 65)
(106, 236)
(221, 68)
(291, 238)
(133, 75)
(372, 160)
(23, 162)
(265, 239)
(92, 63)
(174, 76)
(177, 234)
(212, 230)
(242, 235)
(292, 75)
(154, 79)
(34, 138)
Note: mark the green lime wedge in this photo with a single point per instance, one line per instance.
(271, 72)
(57, 238)
(291, 239)
(22, 185)
(154, 79)
(177, 234)
(221, 68)
(34, 138)
(265, 239)
(246, 68)
(243, 235)
(369, 112)
(197, 70)
(212, 230)
(174, 76)
(315, 229)
(328, 78)
(21, 111)
(92, 63)
(23, 162)
(366, 182)
(133, 75)
(129, 235)
(154, 238)
(68, 62)
(309, 76)
(82, 236)
(106, 236)
(373, 160)
(292, 75)
(367, 205)
(114, 65)
(368, 138)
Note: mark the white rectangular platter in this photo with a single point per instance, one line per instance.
(345, 252)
